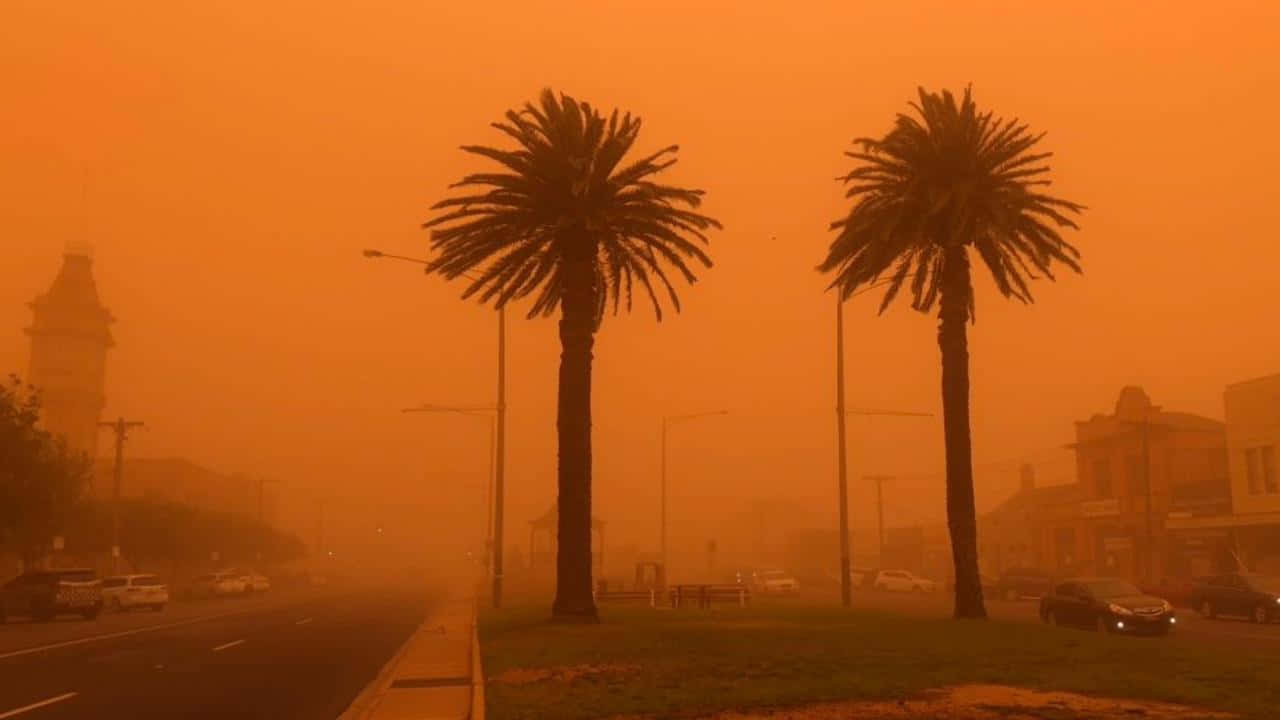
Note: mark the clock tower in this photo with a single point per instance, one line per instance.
(70, 335)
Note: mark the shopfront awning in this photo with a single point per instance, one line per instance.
(1221, 521)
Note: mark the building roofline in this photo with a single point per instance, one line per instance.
(1251, 381)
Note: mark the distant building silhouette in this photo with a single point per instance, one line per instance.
(70, 335)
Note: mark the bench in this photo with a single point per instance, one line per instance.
(704, 595)
(624, 596)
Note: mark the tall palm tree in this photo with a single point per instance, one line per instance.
(565, 219)
(948, 180)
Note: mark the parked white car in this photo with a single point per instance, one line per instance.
(903, 581)
(219, 584)
(775, 581)
(127, 592)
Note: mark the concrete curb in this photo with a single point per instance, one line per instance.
(435, 675)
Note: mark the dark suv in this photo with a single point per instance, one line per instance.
(1256, 597)
(43, 594)
(1017, 583)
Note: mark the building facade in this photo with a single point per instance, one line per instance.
(1139, 467)
(1036, 527)
(1253, 437)
(182, 481)
(70, 334)
(1249, 535)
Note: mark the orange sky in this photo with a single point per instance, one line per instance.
(229, 160)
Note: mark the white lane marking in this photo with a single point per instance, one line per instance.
(303, 621)
(231, 644)
(33, 706)
(126, 633)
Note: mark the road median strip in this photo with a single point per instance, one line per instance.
(436, 673)
(225, 646)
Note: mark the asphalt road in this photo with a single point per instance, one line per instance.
(1191, 629)
(302, 654)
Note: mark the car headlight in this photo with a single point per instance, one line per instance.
(1119, 610)
(1278, 600)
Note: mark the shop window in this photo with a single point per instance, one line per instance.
(1253, 470)
(1269, 480)
(1260, 469)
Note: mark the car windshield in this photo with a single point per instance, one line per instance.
(1263, 583)
(1103, 589)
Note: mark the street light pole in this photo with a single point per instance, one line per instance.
(667, 422)
(842, 461)
(500, 453)
(490, 509)
(500, 462)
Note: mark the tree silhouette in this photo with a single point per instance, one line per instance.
(565, 221)
(41, 479)
(940, 183)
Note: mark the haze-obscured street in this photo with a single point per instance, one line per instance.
(301, 654)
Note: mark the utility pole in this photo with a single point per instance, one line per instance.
(262, 515)
(121, 428)
(879, 480)
(320, 527)
(1146, 480)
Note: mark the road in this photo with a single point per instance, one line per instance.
(297, 654)
(1191, 629)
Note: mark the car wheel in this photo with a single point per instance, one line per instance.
(92, 614)
(159, 607)
(917, 589)
(1206, 609)
(41, 614)
(116, 605)
(1261, 615)
(1011, 594)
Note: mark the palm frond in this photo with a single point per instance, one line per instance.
(947, 174)
(564, 185)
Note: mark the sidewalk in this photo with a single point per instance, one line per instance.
(435, 675)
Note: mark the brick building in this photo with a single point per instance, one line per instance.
(1138, 467)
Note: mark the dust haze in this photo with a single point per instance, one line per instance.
(228, 163)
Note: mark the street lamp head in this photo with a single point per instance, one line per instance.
(370, 253)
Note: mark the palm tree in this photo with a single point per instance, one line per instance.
(933, 188)
(564, 219)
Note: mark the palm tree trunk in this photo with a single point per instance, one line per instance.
(953, 341)
(574, 601)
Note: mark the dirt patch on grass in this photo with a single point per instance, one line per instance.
(562, 674)
(986, 702)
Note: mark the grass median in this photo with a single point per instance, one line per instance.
(640, 662)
